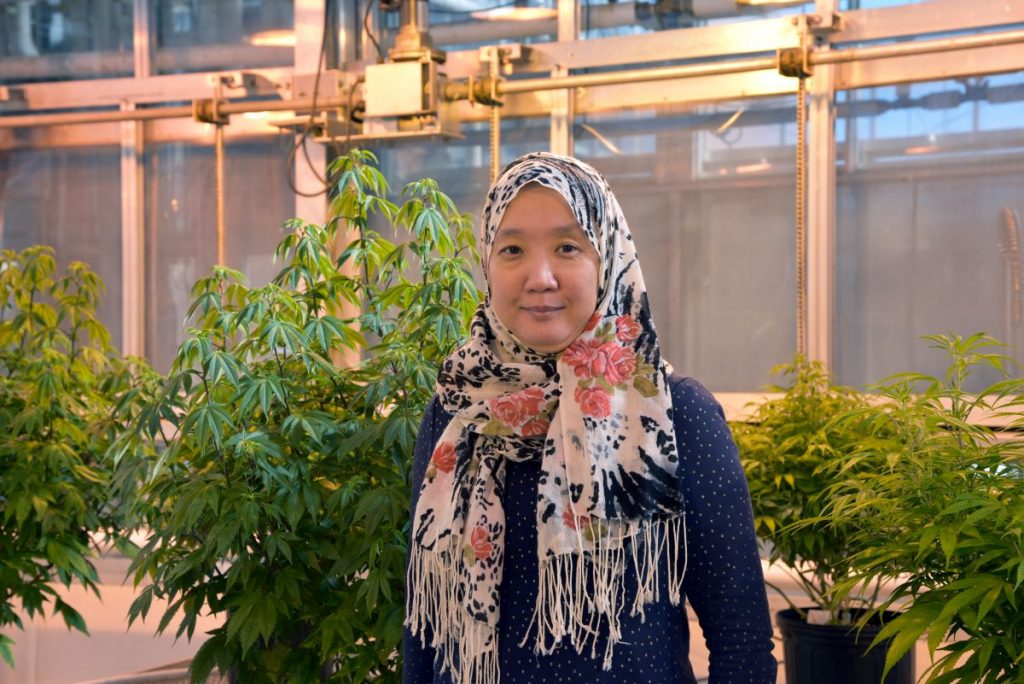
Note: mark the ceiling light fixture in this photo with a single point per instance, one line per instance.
(771, 3)
(520, 11)
(273, 38)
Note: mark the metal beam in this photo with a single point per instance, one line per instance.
(821, 205)
(133, 198)
(563, 109)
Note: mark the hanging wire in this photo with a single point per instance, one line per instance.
(801, 216)
(369, 33)
(302, 138)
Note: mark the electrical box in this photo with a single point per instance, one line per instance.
(400, 89)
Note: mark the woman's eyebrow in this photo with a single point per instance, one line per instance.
(567, 229)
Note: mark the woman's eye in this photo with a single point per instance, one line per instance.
(510, 250)
(568, 248)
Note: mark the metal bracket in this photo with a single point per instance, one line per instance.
(208, 111)
(794, 62)
(813, 29)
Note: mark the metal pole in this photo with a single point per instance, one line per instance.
(801, 217)
(821, 206)
(563, 103)
(495, 67)
(218, 177)
(133, 197)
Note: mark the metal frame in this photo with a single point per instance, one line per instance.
(877, 33)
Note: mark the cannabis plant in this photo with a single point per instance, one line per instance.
(942, 517)
(792, 453)
(61, 387)
(281, 498)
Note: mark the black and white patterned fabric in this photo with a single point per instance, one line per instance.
(598, 415)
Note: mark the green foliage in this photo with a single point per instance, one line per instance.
(281, 499)
(792, 452)
(943, 514)
(62, 399)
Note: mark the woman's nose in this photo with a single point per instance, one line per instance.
(540, 277)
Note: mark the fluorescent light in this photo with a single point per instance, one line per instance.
(516, 13)
(754, 168)
(771, 3)
(273, 38)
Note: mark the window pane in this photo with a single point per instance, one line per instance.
(59, 41)
(930, 177)
(181, 227)
(194, 35)
(709, 199)
(68, 199)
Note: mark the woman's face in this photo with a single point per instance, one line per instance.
(543, 271)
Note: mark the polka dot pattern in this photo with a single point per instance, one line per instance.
(724, 583)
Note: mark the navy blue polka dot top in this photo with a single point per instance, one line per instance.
(723, 584)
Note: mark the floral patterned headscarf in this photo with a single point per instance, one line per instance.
(597, 415)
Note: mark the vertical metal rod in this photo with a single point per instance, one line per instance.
(218, 172)
(133, 238)
(218, 146)
(821, 203)
(133, 196)
(495, 67)
(563, 102)
(801, 217)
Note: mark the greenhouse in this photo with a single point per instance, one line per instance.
(291, 288)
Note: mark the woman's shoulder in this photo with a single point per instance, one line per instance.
(689, 395)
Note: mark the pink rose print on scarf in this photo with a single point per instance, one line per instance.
(580, 354)
(481, 542)
(538, 427)
(594, 401)
(575, 522)
(515, 409)
(626, 329)
(444, 457)
(592, 323)
(592, 359)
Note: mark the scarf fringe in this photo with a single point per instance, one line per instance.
(432, 602)
(565, 609)
(468, 648)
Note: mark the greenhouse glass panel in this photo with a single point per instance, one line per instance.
(192, 35)
(43, 40)
(708, 194)
(928, 221)
(67, 199)
(181, 240)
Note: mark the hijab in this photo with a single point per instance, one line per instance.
(598, 417)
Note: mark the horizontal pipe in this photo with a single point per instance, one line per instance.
(530, 85)
(917, 47)
(844, 55)
(176, 112)
(458, 89)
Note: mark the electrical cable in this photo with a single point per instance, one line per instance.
(369, 33)
(303, 137)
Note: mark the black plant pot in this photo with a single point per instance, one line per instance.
(836, 654)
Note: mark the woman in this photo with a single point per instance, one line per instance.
(569, 490)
